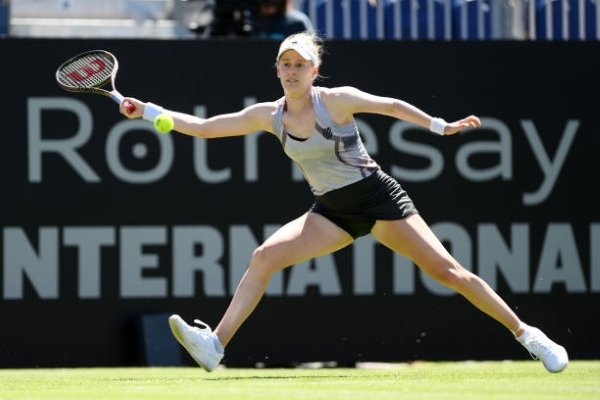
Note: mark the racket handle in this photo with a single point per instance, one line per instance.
(118, 97)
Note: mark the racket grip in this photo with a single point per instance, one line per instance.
(118, 97)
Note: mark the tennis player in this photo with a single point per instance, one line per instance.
(352, 197)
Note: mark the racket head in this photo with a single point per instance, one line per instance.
(88, 72)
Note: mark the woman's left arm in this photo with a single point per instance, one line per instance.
(355, 101)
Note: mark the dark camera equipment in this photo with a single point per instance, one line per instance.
(232, 18)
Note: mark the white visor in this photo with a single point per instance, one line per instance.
(305, 51)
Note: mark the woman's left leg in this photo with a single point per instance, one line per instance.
(412, 238)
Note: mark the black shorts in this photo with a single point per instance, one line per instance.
(355, 208)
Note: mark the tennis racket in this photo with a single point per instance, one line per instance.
(88, 72)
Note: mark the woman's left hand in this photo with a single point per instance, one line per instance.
(469, 122)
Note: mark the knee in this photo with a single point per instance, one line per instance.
(263, 261)
(260, 255)
(450, 274)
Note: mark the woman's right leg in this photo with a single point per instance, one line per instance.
(306, 237)
(309, 236)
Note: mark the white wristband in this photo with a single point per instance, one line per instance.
(151, 111)
(438, 125)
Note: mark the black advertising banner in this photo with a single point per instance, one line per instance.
(104, 221)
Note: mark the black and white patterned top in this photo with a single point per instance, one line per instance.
(333, 156)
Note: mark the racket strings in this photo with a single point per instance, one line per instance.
(92, 70)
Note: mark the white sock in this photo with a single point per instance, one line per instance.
(523, 326)
(218, 346)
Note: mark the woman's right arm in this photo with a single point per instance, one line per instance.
(257, 117)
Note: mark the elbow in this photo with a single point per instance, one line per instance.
(397, 109)
(198, 130)
(200, 133)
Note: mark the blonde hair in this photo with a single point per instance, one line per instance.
(309, 39)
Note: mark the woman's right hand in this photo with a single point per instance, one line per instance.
(132, 107)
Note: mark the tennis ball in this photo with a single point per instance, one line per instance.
(164, 123)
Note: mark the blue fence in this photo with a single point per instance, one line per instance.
(4, 18)
(564, 19)
(455, 19)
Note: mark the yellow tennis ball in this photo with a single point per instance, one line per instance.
(164, 123)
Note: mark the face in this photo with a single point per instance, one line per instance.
(268, 10)
(295, 72)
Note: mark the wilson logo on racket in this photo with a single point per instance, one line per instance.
(96, 66)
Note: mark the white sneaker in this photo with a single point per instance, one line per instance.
(553, 356)
(202, 344)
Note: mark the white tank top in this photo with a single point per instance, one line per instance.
(333, 156)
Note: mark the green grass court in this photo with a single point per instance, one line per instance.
(515, 380)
